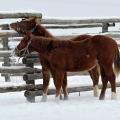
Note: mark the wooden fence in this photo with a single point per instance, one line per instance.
(29, 73)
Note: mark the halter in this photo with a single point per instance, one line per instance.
(24, 49)
(24, 30)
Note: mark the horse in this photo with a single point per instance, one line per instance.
(32, 25)
(73, 56)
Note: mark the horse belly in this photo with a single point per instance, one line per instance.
(82, 65)
(73, 64)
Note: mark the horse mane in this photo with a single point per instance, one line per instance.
(46, 32)
(42, 41)
(59, 43)
(53, 42)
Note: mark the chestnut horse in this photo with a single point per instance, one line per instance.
(37, 29)
(69, 56)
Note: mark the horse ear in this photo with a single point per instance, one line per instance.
(29, 34)
(34, 19)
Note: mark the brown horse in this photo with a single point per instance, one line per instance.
(37, 29)
(65, 56)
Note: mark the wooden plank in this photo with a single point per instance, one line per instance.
(77, 26)
(8, 53)
(9, 33)
(30, 60)
(67, 37)
(19, 15)
(20, 88)
(79, 21)
(68, 26)
(18, 69)
(5, 53)
(15, 34)
(34, 76)
(70, 90)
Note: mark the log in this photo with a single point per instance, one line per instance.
(8, 53)
(1, 59)
(5, 53)
(7, 33)
(19, 15)
(30, 60)
(20, 88)
(16, 74)
(77, 26)
(18, 69)
(77, 73)
(34, 76)
(70, 90)
(5, 27)
(33, 93)
(112, 35)
(21, 64)
(15, 34)
(79, 21)
(33, 55)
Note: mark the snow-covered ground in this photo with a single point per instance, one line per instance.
(14, 105)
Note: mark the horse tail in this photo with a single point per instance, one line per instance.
(117, 62)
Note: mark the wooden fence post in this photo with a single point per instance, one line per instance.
(6, 47)
(105, 27)
(5, 27)
(30, 99)
(6, 59)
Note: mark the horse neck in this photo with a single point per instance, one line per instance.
(41, 45)
(42, 29)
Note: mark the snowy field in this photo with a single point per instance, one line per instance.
(84, 107)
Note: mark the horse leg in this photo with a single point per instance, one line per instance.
(46, 78)
(61, 98)
(112, 79)
(94, 74)
(64, 87)
(58, 77)
(104, 83)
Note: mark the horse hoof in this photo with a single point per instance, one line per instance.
(101, 98)
(61, 98)
(57, 100)
(113, 96)
(44, 98)
(95, 91)
(66, 98)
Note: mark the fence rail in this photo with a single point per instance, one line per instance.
(18, 69)
(15, 34)
(19, 15)
(80, 20)
(70, 90)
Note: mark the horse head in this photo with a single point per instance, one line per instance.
(24, 47)
(25, 25)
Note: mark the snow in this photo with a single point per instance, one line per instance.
(13, 105)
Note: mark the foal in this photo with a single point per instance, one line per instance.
(66, 56)
(37, 29)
